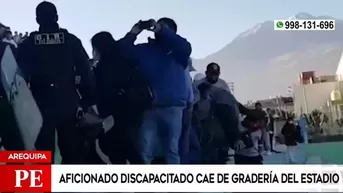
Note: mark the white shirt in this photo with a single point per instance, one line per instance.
(219, 84)
(16, 38)
(10, 41)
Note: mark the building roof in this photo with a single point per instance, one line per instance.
(275, 102)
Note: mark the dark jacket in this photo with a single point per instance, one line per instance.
(50, 59)
(164, 63)
(270, 125)
(242, 109)
(216, 123)
(290, 133)
(254, 120)
(112, 74)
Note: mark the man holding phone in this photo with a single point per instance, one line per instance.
(163, 61)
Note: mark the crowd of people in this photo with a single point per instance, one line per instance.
(13, 38)
(160, 114)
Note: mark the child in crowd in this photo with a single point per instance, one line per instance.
(251, 133)
(290, 131)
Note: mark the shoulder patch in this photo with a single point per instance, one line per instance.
(49, 38)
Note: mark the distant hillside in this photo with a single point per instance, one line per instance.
(263, 62)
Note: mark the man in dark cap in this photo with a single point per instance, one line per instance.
(227, 108)
(49, 59)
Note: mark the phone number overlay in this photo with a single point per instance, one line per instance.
(304, 25)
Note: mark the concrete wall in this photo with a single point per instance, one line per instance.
(313, 96)
(339, 70)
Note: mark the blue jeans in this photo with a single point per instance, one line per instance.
(161, 129)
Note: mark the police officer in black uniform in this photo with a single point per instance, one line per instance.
(50, 58)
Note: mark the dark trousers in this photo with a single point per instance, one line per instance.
(9, 131)
(213, 155)
(185, 138)
(271, 137)
(246, 160)
(69, 138)
(227, 117)
(119, 143)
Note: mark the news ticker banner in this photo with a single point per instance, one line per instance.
(304, 25)
(168, 178)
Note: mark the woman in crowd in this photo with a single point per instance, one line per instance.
(111, 73)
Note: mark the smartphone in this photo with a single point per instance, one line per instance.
(145, 24)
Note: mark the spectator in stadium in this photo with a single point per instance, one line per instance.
(114, 78)
(26, 35)
(290, 132)
(163, 60)
(200, 151)
(271, 129)
(251, 131)
(263, 123)
(212, 77)
(21, 38)
(187, 118)
(9, 38)
(2, 31)
(16, 37)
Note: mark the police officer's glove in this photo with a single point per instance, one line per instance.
(239, 145)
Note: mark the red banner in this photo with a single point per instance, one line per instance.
(25, 178)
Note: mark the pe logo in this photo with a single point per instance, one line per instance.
(33, 176)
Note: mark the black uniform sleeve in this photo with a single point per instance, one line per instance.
(83, 69)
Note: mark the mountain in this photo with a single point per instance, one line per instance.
(262, 62)
(304, 15)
